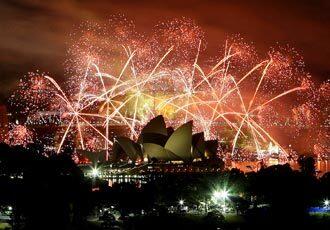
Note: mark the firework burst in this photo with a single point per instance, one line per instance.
(19, 135)
(122, 79)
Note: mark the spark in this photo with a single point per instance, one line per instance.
(125, 82)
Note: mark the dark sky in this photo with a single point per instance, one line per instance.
(34, 34)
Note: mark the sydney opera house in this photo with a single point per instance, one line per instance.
(158, 143)
(158, 149)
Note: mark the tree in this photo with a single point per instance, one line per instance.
(307, 165)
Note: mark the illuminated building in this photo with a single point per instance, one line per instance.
(161, 144)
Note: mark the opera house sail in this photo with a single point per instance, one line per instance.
(158, 143)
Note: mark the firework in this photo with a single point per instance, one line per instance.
(122, 79)
(19, 135)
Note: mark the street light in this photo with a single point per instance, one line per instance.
(326, 203)
(95, 172)
(181, 202)
(221, 195)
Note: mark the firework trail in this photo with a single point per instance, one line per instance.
(121, 78)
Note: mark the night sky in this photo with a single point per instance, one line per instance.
(35, 34)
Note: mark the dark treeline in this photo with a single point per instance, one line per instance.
(52, 193)
(288, 194)
(45, 192)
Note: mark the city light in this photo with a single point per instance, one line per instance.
(326, 203)
(181, 202)
(222, 194)
(95, 172)
(220, 197)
